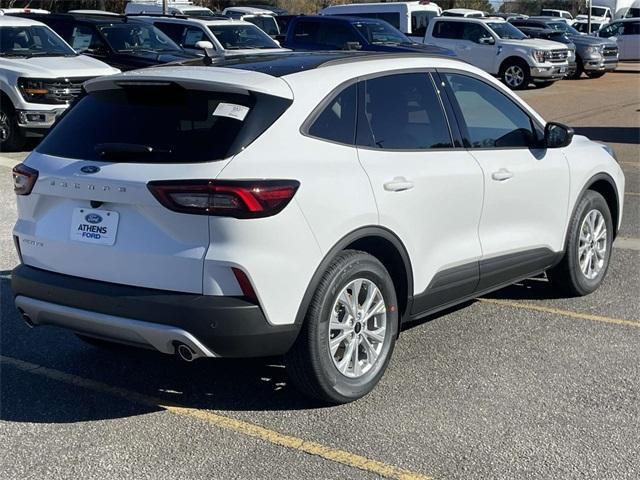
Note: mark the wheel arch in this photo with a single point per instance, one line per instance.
(512, 59)
(604, 184)
(382, 244)
(4, 97)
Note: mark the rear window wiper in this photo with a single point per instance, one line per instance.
(115, 150)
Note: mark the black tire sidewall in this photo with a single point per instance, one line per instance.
(15, 140)
(340, 387)
(591, 200)
(526, 70)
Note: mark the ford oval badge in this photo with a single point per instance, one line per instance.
(90, 169)
(93, 218)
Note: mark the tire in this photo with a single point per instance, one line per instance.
(311, 365)
(11, 137)
(569, 275)
(579, 69)
(595, 74)
(515, 74)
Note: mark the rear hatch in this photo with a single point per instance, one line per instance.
(91, 214)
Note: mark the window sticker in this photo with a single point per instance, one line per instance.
(231, 110)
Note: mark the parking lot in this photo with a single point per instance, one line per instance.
(519, 384)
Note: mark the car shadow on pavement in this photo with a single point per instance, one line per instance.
(211, 384)
(629, 135)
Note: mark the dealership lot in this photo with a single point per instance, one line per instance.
(516, 385)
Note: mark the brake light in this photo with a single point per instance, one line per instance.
(24, 178)
(233, 198)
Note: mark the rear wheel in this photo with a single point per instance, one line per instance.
(11, 137)
(588, 249)
(349, 332)
(595, 74)
(516, 74)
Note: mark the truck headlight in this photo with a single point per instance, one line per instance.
(33, 89)
(594, 50)
(539, 56)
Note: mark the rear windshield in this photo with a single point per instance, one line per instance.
(161, 124)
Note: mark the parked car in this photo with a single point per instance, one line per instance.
(186, 8)
(225, 36)
(264, 19)
(501, 49)
(594, 56)
(563, 15)
(541, 30)
(582, 26)
(508, 16)
(626, 33)
(124, 43)
(275, 10)
(283, 25)
(463, 12)
(40, 75)
(411, 18)
(337, 32)
(270, 213)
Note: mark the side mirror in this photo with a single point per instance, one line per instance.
(352, 46)
(204, 45)
(557, 135)
(486, 41)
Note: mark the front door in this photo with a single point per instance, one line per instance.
(526, 188)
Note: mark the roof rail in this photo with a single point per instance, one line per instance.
(363, 56)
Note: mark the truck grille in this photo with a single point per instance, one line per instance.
(610, 51)
(64, 90)
(558, 56)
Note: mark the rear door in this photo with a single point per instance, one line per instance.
(428, 192)
(91, 213)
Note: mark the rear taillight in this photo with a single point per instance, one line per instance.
(238, 199)
(24, 178)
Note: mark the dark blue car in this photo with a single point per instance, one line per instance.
(352, 33)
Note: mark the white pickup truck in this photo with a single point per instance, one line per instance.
(500, 49)
(40, 75)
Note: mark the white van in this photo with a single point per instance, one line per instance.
(463, 12)
(175, 7)
(411, 18)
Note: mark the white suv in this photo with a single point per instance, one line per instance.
(40, 75)
(499, 48)
(223, 36)
(270, 213)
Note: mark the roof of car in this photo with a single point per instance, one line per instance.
(279, 64)
(191, 20)
(249, 10)
(472, 19)
(82, 17)
(12, 21)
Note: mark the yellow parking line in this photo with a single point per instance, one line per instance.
(239, 426)
(558, 311)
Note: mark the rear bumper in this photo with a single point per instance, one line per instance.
(210, 325)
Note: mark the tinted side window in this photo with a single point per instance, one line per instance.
(193, 35)
(451, 30)
(389, 17)
(337, 122)
(401, 112)
(631, 28)
(492, 120)
(473, 32)
(174, 31)
(306, 31)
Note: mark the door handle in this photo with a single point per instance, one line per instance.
(398, 184)
(502, 175)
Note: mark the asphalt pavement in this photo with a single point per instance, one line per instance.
(519, 384)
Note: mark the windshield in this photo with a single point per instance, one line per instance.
(563, 27)
(130, 37)
(237, 37)
(598, 11)
(584, 28)
(32, 41)
(633, 13)
(199, 13)
(380, 33)
(267, 23)
(506, 30)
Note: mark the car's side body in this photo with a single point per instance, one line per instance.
(626, 33)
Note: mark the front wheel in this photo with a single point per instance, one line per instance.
(588, 249)
(11, 137)
(579, 69)
(349, 332)
(516, 74)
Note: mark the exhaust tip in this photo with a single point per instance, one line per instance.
(26, 318)
(185, 352)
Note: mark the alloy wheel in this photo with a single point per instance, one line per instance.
(357, 328)
(592, 247)
(5, 127)
(514, 76)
